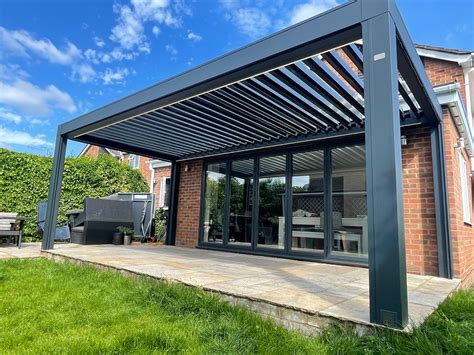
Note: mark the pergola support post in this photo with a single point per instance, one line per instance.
(54, 193)
(443, 229)
(387, 265)
(173, 206)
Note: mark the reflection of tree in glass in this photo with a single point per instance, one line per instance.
(270, 199)
(215, 198)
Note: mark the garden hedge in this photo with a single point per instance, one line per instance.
(24, 181)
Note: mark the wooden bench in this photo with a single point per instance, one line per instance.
(11, 227)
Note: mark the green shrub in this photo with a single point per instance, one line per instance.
(24, 181)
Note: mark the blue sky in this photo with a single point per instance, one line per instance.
(60, 59)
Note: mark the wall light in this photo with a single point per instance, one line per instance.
(404, 140)
(186, 168)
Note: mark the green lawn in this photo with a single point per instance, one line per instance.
(50, 307)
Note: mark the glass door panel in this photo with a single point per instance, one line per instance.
(214, 203)
(241, 202)
(349, 201)
(307, 231)
(271, 203)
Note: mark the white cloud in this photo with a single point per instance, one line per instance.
(12, 71)
(9, 116)
(129, 30)
(22, 43)
(156, 31)
(155, 10)
(99, 42)
(251, 21)
(8, 136)
(84, 73)
(309, 9)
(37, 121)
(114, 77)
(171, 49)
(194, 37)
(91, 55)
(30, 98)
(256, 19)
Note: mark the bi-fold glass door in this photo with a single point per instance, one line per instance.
(310, 202)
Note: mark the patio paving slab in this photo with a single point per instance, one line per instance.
(314, 289)
(27, 250)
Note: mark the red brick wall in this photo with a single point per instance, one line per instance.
(462, 234)
(442, 72)
(187, 228)
(93, 151)
(418, 202)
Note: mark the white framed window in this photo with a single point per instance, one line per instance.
(464, 189)
(134, 161)
(165, 185)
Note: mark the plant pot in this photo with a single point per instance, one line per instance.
(127, 239)
(117, 238)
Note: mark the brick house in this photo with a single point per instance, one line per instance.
(335, 140)
(156, 172)
(451, 74)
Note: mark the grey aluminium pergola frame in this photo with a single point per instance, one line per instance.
(388, 52)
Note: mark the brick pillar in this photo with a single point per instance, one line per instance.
(189, 199)
(419, 203)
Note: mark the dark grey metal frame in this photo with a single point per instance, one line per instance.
(381, 27)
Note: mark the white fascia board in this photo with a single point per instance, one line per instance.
(156, 163)
(450, 96)
(83, 151)
(450, 57)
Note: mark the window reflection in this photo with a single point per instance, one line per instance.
(308, 201)
(271, 192)
(349, 201)
(241, 189)
(214, 203)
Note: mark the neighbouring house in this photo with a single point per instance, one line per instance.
(335, 140)
(156, 172)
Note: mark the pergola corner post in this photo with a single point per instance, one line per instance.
(387, 265)
(54, 192)
(173, 206)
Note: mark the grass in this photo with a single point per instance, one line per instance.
(48, 307)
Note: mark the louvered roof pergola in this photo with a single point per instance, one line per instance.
(303, 83)
(352, 70)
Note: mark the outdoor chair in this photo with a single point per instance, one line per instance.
(62, 233)
(99, 220)
(11, 227)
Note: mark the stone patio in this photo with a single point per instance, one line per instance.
(28, 250)
(300, 295)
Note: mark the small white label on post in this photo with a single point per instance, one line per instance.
(379, 56)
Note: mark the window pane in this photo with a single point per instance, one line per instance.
(241, 188)
(349, 201)
(166, 197)
(272, 182)
(214, 203)
(308, 201)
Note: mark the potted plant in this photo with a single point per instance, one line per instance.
(117, 237)
(127, 234)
